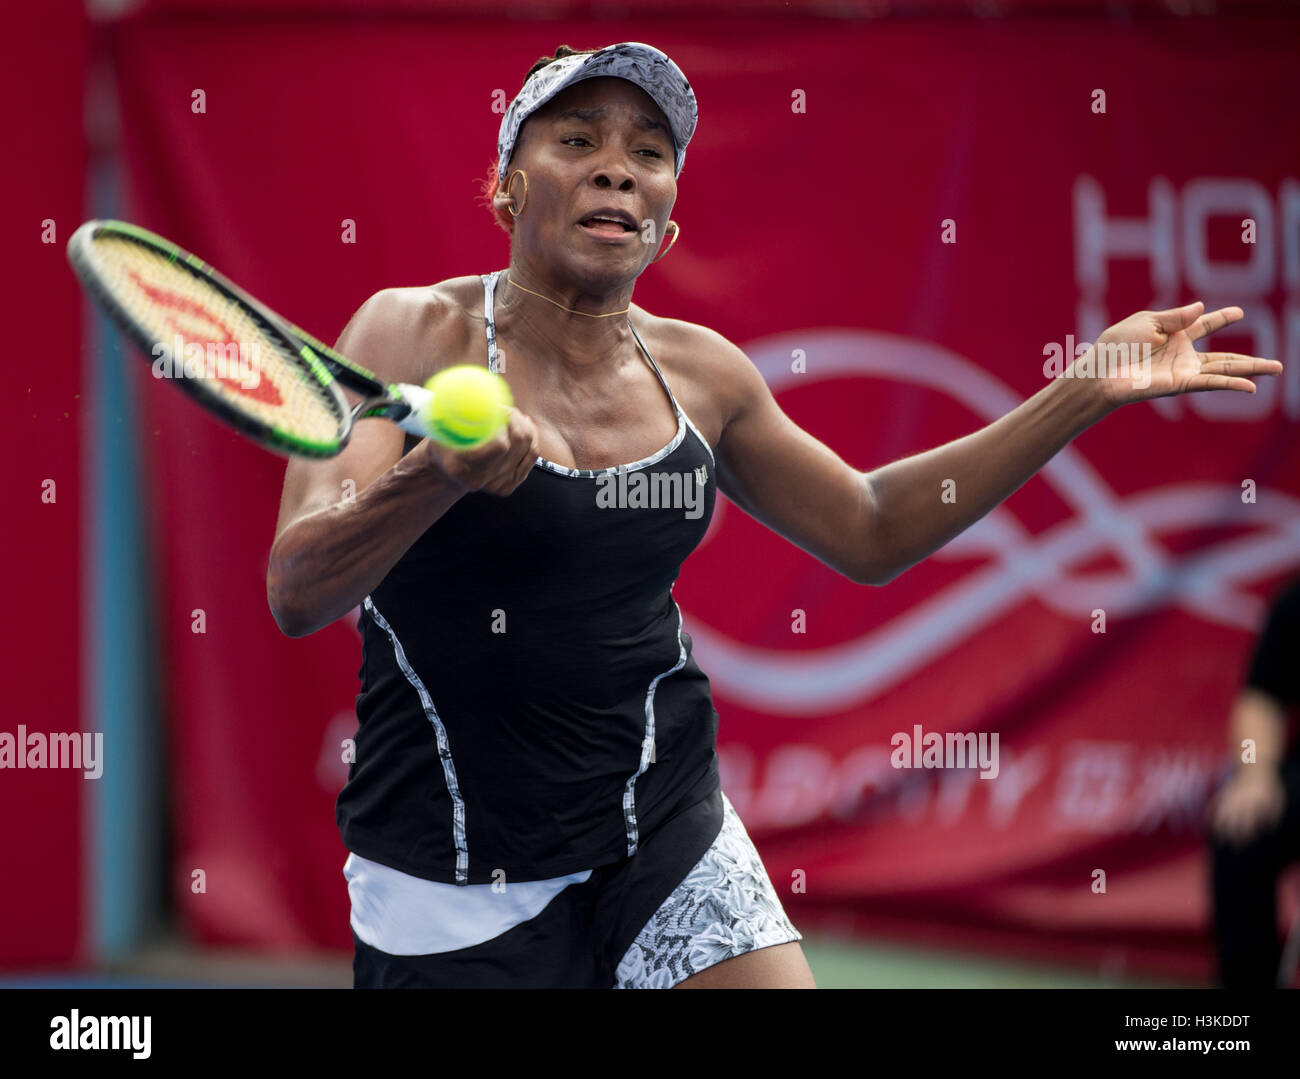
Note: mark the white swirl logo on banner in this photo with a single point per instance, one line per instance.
(1209, 582)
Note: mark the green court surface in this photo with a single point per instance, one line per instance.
(854, 964)
(837, 963)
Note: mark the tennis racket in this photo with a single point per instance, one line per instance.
(236, 357)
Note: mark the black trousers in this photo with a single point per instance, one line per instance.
(1245, 894)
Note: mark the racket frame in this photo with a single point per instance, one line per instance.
(401, 403)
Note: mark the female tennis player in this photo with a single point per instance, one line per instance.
(535, 799)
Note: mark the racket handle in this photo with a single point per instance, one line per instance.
(419, 399)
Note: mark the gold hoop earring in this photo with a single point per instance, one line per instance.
(677, 231)
(509, 182)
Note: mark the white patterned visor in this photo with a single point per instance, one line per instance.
(641, 64)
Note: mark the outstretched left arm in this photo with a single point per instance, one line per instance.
(873, 526)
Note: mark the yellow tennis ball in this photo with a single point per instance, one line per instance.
(469, 406)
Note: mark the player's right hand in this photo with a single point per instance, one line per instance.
(497, 467)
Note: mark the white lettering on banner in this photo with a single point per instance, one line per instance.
(1098, 238)
(1021, 773)
(862, 774)
(1092, 781)
(1174, 789)
(1173, 240)
(797, 779)
(1120, 787)
(1216, 582)
(1238, 199)
(1099, 787)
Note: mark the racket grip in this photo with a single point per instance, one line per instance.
(419, 399)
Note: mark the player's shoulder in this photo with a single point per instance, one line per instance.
(434, 316)
(412, 308)
(698, 353)
(688, 341)
(406, 333)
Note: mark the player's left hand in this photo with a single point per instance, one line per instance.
(1250, 802)
(1174, 366)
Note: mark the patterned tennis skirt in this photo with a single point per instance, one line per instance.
(725, 907)
(695, 894)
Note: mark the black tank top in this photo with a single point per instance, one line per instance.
(529, 702)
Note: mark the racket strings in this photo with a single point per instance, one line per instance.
(215, 340)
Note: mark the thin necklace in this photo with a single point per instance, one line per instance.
(608, 314)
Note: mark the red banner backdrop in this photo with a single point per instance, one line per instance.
(1086, 168)
(42, 908)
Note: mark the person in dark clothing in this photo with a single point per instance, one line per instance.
(1255, 816)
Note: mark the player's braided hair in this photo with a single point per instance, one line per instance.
(488, 186)
(560, 54)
